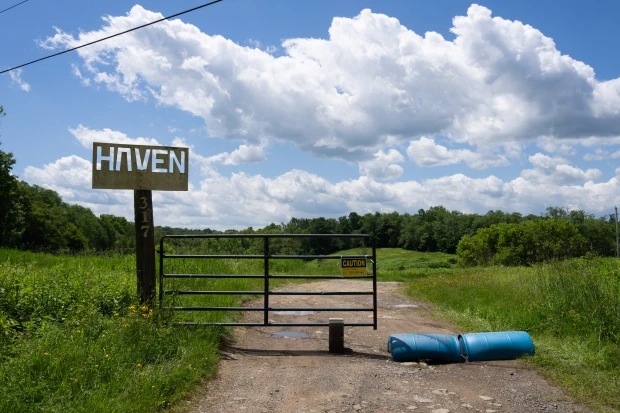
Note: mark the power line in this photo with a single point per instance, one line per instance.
(113, 35)
(13, 6)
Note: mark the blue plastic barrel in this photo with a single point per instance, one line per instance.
(503, 345)
(433, 347)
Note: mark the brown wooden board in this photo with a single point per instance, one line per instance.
(123, 166)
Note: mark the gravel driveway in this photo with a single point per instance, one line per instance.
(289, 370)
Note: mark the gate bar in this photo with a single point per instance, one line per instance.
(271, 309)
(198, 292)
(242, 324)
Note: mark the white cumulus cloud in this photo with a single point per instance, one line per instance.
(371, 82)
(368, 92)
(426, 152)
(384, 165)
(87, 136)
(557, 171)
(242, 155)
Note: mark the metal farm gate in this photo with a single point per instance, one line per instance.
(202, 275)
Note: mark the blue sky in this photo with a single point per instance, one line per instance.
(306, 109)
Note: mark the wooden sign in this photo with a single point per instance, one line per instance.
(122, 166)
(141, 168)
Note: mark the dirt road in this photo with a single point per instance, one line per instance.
(267, 370)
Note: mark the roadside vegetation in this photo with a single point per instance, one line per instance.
(571, 308)
(73, 337)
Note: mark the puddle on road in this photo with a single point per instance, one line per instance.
(300, 313)
(291, 334)
(405, 306)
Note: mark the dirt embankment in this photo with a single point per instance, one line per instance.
(289, 370)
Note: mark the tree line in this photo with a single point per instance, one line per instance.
(35, 218)
(492, 238)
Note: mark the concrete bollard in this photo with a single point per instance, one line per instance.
(336, 335)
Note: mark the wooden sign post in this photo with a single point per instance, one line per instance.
(141, 168)
(145, 244)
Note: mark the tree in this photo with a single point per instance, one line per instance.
(320, 246)
(557, 213)
(527, 243)
(435, 230)
(88, 226)
(120, 232)
(494, 217)
(45, 221)
(73, 238)
(8, 195)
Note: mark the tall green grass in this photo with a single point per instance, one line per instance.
(571, 309)
(396, 264)
(73, 339)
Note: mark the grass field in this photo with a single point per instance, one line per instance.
(73, 337)
(571, 309)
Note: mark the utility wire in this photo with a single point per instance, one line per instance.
(113, 35)
(13, 6)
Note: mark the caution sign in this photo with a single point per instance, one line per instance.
(353, 266)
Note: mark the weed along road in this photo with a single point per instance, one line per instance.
(290, 370)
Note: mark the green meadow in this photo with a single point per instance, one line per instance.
(73, 337)
(570, 308)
